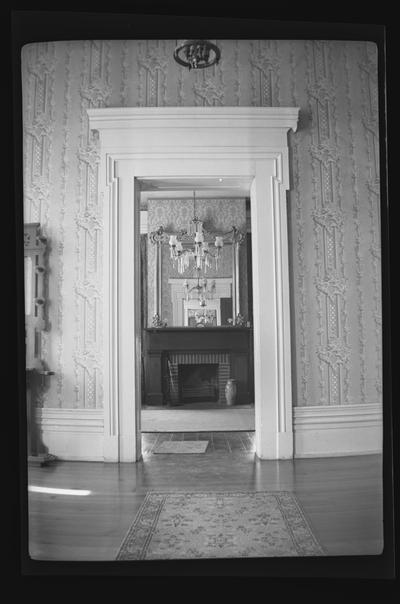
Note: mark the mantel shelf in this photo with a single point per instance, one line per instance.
(220, 328)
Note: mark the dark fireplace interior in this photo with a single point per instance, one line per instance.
(198, 382)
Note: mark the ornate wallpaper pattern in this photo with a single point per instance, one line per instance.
(333, 203)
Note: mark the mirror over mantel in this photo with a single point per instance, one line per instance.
(180, 289)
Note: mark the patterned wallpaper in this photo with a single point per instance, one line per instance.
(175, 214)
(333, 203)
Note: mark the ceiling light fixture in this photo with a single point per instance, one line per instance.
(200, 254)
(197, 54)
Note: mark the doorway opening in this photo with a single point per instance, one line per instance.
(196, 323)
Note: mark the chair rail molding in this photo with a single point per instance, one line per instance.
(248, 143)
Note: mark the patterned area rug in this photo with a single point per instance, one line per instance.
(181, 446)
(173, 526)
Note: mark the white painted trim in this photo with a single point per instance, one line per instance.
(72, 434)
(271, 314)
(319, 431)
(244, 117)
(109, 191)
(241, 191)
(143, 222)
(196, 142)
(337, 430)
(326, 415)
(70, 419)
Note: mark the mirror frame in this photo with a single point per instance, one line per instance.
(160, 237)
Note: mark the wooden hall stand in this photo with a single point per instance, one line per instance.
(35, 323)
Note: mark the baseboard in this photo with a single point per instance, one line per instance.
(71, 434)
(331, 431)
(337, 430)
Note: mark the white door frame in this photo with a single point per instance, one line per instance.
(192, 142)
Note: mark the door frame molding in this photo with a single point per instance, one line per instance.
(201, 142)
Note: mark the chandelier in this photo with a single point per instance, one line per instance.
(190, 250)
(201, 291)
(197, 54)
(194, 250)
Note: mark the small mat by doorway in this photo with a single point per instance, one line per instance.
(190, 525)
(181, 446)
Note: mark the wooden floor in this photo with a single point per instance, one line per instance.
(341, 497)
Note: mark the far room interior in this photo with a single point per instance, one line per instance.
(200, 376)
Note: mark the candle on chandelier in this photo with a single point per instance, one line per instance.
(219, 242)
(199, 238)
(172, 240)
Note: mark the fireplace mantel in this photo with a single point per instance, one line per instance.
(159, 343)
(224, 328)
(197, 338)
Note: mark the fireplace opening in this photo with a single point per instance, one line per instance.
(198, 382)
